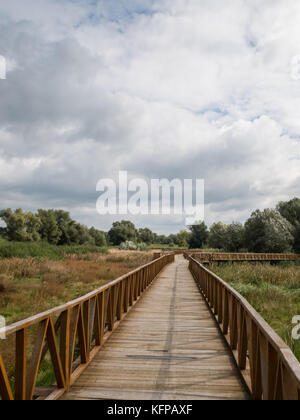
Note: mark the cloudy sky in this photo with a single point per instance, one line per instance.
(161, 88)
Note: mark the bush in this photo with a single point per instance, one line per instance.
(10, 249)
(132, 246)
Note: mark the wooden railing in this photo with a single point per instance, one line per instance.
(224, 256)
(81, 326)
(269, 367)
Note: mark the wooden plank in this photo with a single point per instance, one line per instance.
(55, 357)
(36, 359)
(20, 368)
(5, 389)
(64, 345)
(168, 346)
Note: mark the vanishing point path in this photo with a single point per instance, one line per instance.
(168, 347)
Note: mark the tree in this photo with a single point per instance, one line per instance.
(290, 210)
(217, 236)
(172, 240)
(48, 230)
(20, 226)
(268, 231)
(234, 237)
(146, 236)
(66, 227)
(82, 235)
(199, 235)
(99, 237)
(122, 232)
(32, 226)
(183, 238)
(297, 239)
(162, 239)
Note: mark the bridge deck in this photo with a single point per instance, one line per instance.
(168, 347)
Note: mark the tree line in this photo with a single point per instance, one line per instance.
(270, 230)
(53, 226)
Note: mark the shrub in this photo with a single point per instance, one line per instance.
(132, 246)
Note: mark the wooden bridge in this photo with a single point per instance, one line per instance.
(243, 257)
(210, 257)
(170, 330)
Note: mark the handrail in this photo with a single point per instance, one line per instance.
(226, 256)
(91, 318)
(267, 364)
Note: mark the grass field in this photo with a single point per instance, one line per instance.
(273, 290)
(44, 250)
(29, 286)
(32, 285)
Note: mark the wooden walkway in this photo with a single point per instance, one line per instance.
(167, 348)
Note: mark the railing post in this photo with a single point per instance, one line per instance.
(5, 388)
(233, 324)
(127, 292)
(86, 320)
(225, 312)
(65, 345)
(20, 368)
(242, 339)
(120, 301)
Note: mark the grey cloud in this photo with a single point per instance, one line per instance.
(118, 87)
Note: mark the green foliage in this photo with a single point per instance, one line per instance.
(264, 231)
(297, 239)
(199, 235)
(183, 238)
(53, 226)
(122, 232)
(10, 249)
(290, 210)
(268, 231)
(66, 227)
(146, 236)
(132, 246)
(20, 226)
(162, 239)
(273, 290)
(235, 237)
(49, 230)
(217, 236)
(98, 236)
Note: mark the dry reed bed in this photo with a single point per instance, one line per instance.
(273, 290)
(30, 286)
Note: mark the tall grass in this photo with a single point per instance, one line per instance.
(273, 290)
(44, 250)
(32, 285)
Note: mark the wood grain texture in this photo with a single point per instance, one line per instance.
(168, 347)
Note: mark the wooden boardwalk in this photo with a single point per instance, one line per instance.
(167, 348)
